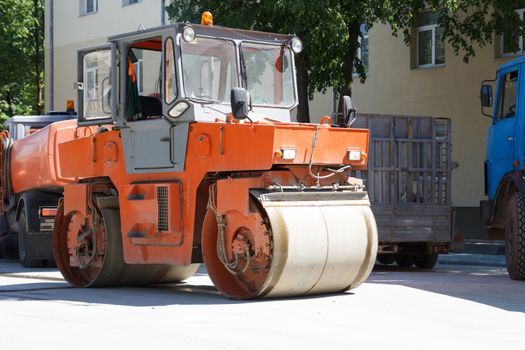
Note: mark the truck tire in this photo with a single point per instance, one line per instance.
(9, 246)
(425, 261)
(404, 260)
(385, 259)
(515, 237)
(23, 255)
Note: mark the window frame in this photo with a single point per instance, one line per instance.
(84, 6)
(83, 119)
(364, 35)
(165, 70)
(128, 2)
(521, 14)
(502, 92)
(432, 28)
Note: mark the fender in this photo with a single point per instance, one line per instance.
(30, 202)
(513, 179)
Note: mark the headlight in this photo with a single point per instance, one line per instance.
(288, 153)
(297, 45)
(188, 34)
(354, 155)
(178, 109)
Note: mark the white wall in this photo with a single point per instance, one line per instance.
(73, 31)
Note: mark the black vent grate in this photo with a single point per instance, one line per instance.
(162, 206)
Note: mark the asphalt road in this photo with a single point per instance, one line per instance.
(466, 302)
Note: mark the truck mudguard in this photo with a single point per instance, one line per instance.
(512, 179)
(30, 202)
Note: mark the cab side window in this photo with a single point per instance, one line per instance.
(143, 85)
(507, 95)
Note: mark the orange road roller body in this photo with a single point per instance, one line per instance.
(265, 202)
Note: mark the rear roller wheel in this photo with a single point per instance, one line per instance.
(289, 248)
(96, 260)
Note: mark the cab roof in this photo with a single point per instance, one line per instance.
(513, 62)
(211, 31)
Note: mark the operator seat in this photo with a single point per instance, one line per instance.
(150, 107)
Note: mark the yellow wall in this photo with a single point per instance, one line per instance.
(393, 87)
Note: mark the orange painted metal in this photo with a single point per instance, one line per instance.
(35, 162)
(77, 199)
(212, 148)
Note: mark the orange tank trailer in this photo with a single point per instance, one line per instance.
(31, 184)
(35, 161)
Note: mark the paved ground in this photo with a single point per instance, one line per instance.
(466, 302)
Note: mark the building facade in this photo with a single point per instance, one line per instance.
(427, 78)
(74, 24)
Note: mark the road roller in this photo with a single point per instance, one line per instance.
(187, 150)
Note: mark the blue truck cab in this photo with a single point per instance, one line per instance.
(504, 211)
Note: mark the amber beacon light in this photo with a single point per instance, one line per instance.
(207, 19)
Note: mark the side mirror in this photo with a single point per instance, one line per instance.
(349, 115)
(486, 95)
(240, 103)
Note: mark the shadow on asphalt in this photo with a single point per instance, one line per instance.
(487, 284)
(146, 296)
(481, 282)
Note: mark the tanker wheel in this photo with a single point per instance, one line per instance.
(404, 260)
(425, 261)
(515, 237)
(23, 242)
(386, 259)
(232, 263)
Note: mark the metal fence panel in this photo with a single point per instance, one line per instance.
(409, 176)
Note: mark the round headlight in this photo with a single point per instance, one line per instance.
(188, 34)
(297, 45)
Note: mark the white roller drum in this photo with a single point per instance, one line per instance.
(319, 246)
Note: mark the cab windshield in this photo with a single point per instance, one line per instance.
(209, 69)
(268, 74)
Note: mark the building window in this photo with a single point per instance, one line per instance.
(511, 45)
(88, 7)
(130, 2)
(362, 50)
(430, 40)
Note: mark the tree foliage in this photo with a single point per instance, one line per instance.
(330, 29)
(21, 58)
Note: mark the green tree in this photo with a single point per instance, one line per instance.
(330, 30)
(21, 41)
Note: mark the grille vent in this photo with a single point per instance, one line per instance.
(162, 206)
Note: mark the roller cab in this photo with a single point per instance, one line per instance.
(198, 158)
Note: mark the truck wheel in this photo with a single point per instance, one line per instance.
(23, 255)
(404, 260)
(385, 259)
(515, 237)
(9, 246)
(425, 261)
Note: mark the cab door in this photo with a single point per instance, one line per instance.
(502, 138)
(152, 142)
